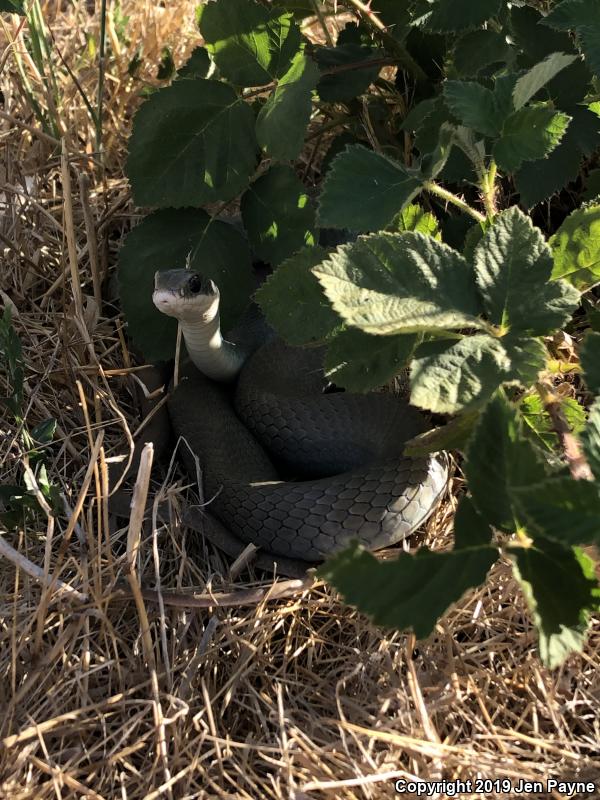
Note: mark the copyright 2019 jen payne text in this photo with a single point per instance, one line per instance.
(497, 786)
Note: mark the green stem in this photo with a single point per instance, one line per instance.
(434, 188)
(488, 190)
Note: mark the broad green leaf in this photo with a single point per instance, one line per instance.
(590, 361)
(166, 67)
(192, 143)
(560, 508)
(576, 247)
(538, 76)
(278, 215)
(533, 37)
(293, 301)
(560, 593)
(451, 376)
(197, 65)
(414, 218)
(590, 437)
(479, 49)
(592, 182)
(539, 424)
(470, 528)
(583, 16)
(452, 436)
(498, 459)
(513, 264)
(337, 84)
(251, 45)
(528, 134)
(585, 127)
(12, 6)
(44, 432)
(434, 162)
(282, 121)
(450, 16)
(410, 591)
(400, 283)
(363, 190)
(165, 240)
(474, 106)
(361, 362)
(538, 180)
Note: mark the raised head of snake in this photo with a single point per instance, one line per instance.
(194, 301)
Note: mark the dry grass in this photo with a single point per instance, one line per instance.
(108, 691)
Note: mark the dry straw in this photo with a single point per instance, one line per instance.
(134, 662)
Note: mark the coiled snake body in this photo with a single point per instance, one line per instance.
(298, 472)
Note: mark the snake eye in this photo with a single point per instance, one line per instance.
(195, 283)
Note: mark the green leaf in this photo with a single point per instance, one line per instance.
(538, 180)
(410, 591)
(538, 422)
(166, 68)
(450, 16)
(164, 240)
(400, 283)
(560, 508)
(278, 215)
(414, 218)
(197, 65)
(560, 593)
(528, 134)
(590, 438)
(251, 45)
(479, 49)
(590, 361)
(282, 121)
(363, 190)
(474, 106)
(452, 436)
(192, 143)
(592, 185)
(513, 264)
(533, 37)
(470, 528)
(12, 6)
(583, 16)
(361, 362)
(451, 376)
(576, 247)
(498, 460)
(342, 86)
(293, 301)
(44, 432)
(538, 76)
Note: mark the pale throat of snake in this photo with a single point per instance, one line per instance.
(194, 302)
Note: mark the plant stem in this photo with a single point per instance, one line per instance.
(488, 190)
(576, 460)
(434, 188)
(101, 68)
(322, 22)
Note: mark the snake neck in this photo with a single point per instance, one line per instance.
(213, 355)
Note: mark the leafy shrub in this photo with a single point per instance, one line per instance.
(493, 110)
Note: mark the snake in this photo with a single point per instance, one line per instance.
(287, 464)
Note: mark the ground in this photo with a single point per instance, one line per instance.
(204, 682)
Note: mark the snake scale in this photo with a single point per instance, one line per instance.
(295, 470)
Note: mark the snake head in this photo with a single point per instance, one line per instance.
(185, 294)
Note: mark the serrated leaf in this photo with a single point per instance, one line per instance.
(582, 16)
(451, 376)
(414, 218)
(590, 437)
(342, 86)
(251, 45)
(539, 424)
(533, 37)
(192, 143)
(590, 361)
(528, 134)
(400, 283)
(576, 248)
(281, 122)
(479, 49)
(560, 596)
(410, 591)
(450, 16)
(513, 264)
(538, 180)
(452, 436)
(164, 240)
(470, 528)
(498, 460)
(538, 76)
(474, 106)
(278, 215)
(363, 190)
(560, 508)
(293, 301)
(197, 65)
(12, 6)
(434, 162)
(361, 362)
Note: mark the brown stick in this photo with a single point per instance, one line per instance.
(571, 446)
